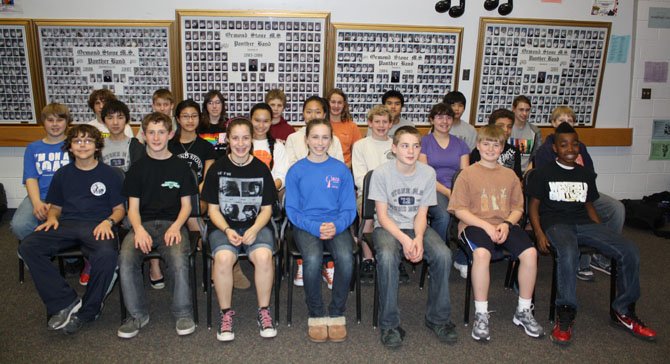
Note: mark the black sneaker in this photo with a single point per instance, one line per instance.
(585, 274)
(368, 271)
(62, 317)
(392, 338)
(73, 326)
(404, 277)
(601, 264)
(445, 332)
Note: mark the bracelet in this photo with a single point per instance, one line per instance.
(111, 221)
(226, 229)
(509, 224)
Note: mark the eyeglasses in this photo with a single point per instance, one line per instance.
(83, 141)
(189, 116)
(214, 102)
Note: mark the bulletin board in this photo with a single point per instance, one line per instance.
(17, 73)
(132, 59)
(420, 62)
(244, 54)
(551, 62)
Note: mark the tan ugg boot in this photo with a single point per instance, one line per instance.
(240, 281)
(337, 329)
(317, 329)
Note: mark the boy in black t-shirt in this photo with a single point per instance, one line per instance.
(158, 187)
(86, 204)
(563, 218)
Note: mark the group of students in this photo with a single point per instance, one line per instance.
(244, 166)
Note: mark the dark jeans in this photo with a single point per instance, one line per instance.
(37, 250)
(565, 240)
(341, 249)
(176, 261)
(389, 254)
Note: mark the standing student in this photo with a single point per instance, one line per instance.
(394, 101)
(446, 154)
(240, 193)
(369, 153)
(280, 129)
(526, 137)
(321, 205)
(343, 124)
(161, 101)
(403, 190)
(96, 102)
(563, 218)
(213, 122)
(488, 201)
(41, 160)
(85, 205)
(159, 189)
(460, 128)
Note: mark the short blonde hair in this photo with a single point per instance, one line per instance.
(563, 110)
(491, 132)
(57, 109)
(379, 110)
(162, 93)
(276, 94)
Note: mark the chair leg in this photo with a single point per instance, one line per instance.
(375, 305)
(613, 279)
(509, 274)
(468, 292)
(194, 288)
(205, 258)
(424, 273)
(552, 298)
(21, 267)
(208, 284)
(289, 303)
(277, 286)
(357, 275)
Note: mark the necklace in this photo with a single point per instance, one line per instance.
(186, 150)
(239, 164)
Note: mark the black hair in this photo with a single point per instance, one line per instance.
(454, 97)
(180, 107)
(564, 128)
(500, 114)
(320, 100)
(393, 93)
(114, 106)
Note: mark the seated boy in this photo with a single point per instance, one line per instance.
(41, 160)
(280, 129)
(611, 211)
(97, 101)
(563, 218)
(403, 190)
(488, 201)
(161, 101)
(159, 188)
(461, 128)
(86, 204)
(120, 151)
(367, 154)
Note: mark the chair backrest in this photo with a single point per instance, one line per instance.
(526, 199)
(195, 199)
(367, 205)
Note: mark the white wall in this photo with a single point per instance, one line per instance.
(623, 172)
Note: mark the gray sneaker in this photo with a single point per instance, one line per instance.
(185, 326)
(62, 317)
(480, 328)
(525, 319)
(131, 327)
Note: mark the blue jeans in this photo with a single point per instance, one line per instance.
(565, 241)
(311, 249)
(38, 248)
(439, 217)
(612, 214)
(389, 254)
(23, 222)
(176, 260)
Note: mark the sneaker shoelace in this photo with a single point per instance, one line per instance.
(265, 318)
(633, 317)
(483, 320)
(227, 321)
(527, 314)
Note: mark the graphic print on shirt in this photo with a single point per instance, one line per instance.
(493, 199)
(263, 156)
(406, 199)
(194, 162)
(49, 163)
(506, 158)
(568, 191)
(98, 189)
(523, 145)
(240, 199)
(119, 159)
(333, 182)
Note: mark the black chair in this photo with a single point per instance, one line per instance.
(582, 250)
(276, 255)
(294, 254)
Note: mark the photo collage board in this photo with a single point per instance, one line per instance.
(553, 63)
(244, 55)
(17, 96)
(132, 61)
(422, 63)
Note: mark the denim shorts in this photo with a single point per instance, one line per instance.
(219, 240)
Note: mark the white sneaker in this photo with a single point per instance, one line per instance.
(462, 268)
(297, 281)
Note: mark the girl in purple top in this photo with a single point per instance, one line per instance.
(446, 154)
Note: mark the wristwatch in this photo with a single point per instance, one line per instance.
(509, 224)
(111, 221)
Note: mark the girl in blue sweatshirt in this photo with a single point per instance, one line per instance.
(321, 205)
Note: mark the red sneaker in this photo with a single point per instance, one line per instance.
(635, 326)
(84, 278)
(562, 332)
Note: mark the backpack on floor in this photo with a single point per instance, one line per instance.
(647, 215)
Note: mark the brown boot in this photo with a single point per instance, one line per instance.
(240, 281)
(337, 329)
(317, 329)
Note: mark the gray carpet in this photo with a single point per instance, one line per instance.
(24, 338)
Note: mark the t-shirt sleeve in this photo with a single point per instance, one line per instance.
(592, 194)
(463, 148)
(210, 191)
(358, 164)
(378, 186)
(132, 185)
(29, 168)
(460, 193)
(347, 201)
(55, 193)
(537, 183)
